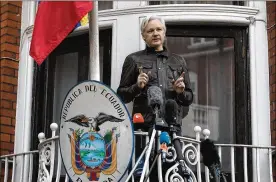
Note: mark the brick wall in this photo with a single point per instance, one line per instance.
(10, 15)
(271, 20)
(10, 18)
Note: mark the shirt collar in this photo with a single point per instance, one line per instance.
(150, 50)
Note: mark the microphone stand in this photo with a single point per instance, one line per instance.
(157, 120)
(147, 151)
(159, 125)
(148, 154)
(137, 162)
(177, 146)
(153, 164)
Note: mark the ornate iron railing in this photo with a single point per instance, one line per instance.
(50, 168)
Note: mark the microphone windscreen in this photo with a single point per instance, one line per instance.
(171, 108)
(138, 118)
(165, 138)
(155, 98)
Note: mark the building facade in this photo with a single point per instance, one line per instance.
(229, 48)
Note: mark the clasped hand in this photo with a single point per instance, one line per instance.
(142, 79)
(179, 85)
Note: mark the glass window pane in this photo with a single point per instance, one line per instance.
(211, 68)
(103, 5)
(66, 76)
(241, 3)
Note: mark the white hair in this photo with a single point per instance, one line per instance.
(148, 19)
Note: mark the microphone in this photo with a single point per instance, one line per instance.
(155, 98)
(171, 108)
(155, 101)
(165, 140)
(138, 118)
(211, 159)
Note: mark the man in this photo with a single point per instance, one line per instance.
(154, 66)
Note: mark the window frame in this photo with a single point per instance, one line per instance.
(241, 67)
(242, 101)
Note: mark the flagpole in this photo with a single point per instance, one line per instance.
(94, 60)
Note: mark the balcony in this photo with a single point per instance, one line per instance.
(50, 163)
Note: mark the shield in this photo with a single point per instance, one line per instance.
(96, 134)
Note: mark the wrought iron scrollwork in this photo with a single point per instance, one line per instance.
(190, 153)
(46, 155)
(171, 157)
